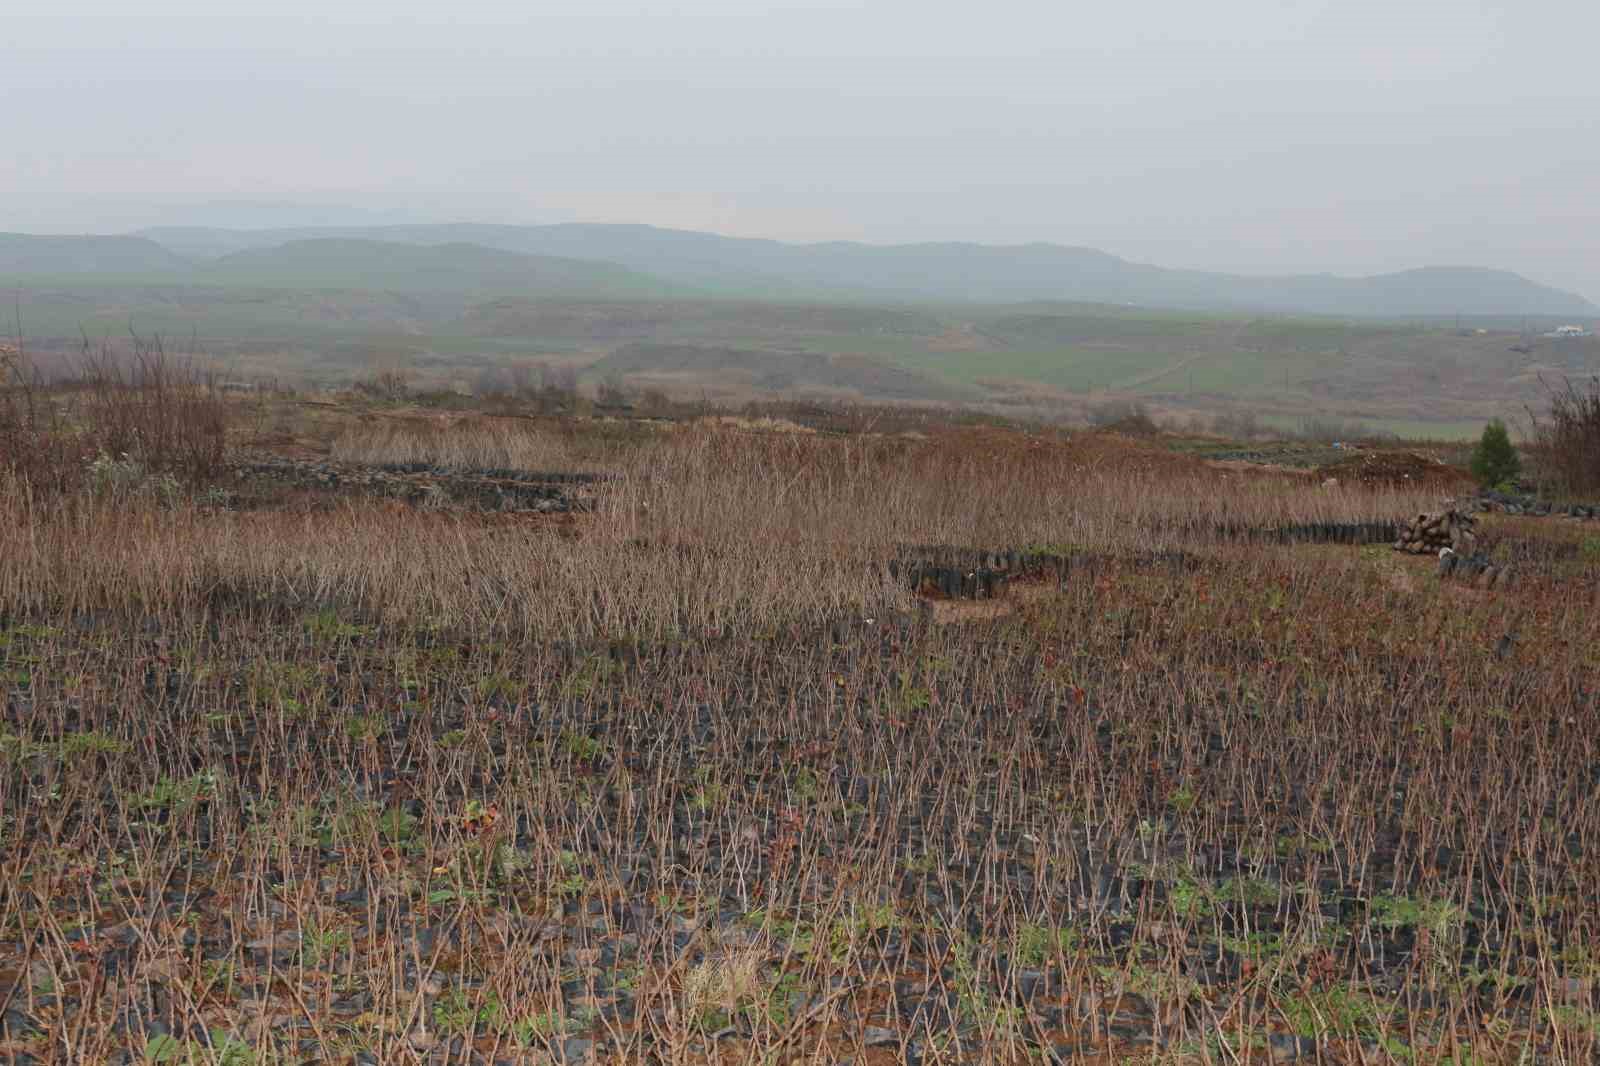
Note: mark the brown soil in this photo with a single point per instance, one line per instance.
(1395, 468)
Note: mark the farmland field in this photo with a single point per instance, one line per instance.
(350, 732)
(1061, 359)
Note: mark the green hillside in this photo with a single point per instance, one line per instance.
(338, 263)
(948, 272)
(29, 255)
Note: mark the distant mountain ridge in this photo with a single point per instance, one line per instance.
(457, 267)
(627, 261)
(974, 273)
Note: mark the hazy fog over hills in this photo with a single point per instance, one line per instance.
(32, 255)
(1248, 137)
(578, 259)
(944, 271)
(1358, 207)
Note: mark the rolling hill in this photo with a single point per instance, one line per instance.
(29, 255)
(966, 273)
(455, 268)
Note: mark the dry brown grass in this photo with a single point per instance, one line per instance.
(712, 528)
(1274, 791)
(470, 443)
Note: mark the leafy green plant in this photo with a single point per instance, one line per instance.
(178, 793)
(1438, 917)
(326, 625)
(398, 826)
(318, 945)
(1183, 799)
(587, 676)
(1340, 1010)
(710, 792)
(456, 1012)
(536, 1029)
(1189, 898)
(1571, 1017)
(581, 747)
(1038, 944)
(491, 685)
(572, 883)
(78, 745)
(365, 726)
(224, 1051)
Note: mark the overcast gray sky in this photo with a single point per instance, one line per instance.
(1259, 136)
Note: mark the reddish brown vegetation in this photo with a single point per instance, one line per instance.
(690, 782)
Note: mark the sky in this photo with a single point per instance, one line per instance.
(1254, 136)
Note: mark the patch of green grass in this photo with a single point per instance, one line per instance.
(70, 747)
(1438, 917)
(326, 625)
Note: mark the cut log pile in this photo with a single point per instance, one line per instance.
(1428, 533)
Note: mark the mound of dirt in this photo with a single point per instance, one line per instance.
(1394, 468)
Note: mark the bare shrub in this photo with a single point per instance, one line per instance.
(1329, 430)
(1569, 437)
(392, 385)
(144, 410)
(164, 414)
(558, 389)
(35, 445)
(613, 393)
(1124, 416)
(655, 402)
(1240, 425)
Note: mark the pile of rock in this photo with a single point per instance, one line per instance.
(1531, 506)
(1430, 532)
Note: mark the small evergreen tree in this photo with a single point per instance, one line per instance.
(1495, 460)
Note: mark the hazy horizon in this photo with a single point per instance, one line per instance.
(1251, 137)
